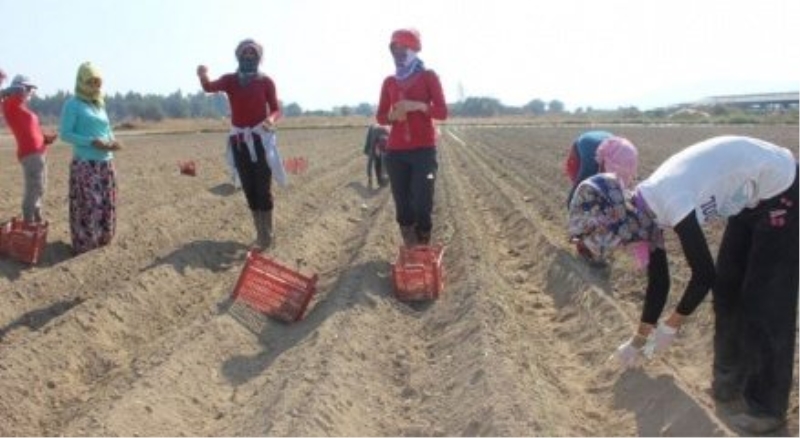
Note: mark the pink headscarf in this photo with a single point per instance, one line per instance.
(619, 156)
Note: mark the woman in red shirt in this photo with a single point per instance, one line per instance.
(410, 100)
(31, 145)
(252, 140)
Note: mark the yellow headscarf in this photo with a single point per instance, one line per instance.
(83, 89)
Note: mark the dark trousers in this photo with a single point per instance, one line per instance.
(256, 177)
(412, 175)
(375, 166)
(755, 304)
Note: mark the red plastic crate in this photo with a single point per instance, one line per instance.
(418, 274)
(295, 165)
(187, 168)
(273, 289)
(23, 241)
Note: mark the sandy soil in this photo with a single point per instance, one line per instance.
(140, 338)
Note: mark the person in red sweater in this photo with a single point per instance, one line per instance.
(410, 100)
(31, 145)
(252, 139)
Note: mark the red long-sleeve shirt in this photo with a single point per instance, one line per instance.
(418, 130)
(249, 103)
(24, 124)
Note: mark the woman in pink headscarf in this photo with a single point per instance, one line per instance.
(600, 152)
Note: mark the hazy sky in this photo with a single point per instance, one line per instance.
(325, 53)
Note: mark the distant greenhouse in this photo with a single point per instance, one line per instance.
(760, 102)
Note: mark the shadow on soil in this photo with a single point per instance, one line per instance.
(662, 408)
(36, 319)
(207, 254)
(54, 253)
(359, 286)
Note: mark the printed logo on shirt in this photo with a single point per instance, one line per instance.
(708, 210)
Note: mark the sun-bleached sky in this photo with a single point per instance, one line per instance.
(326, 53)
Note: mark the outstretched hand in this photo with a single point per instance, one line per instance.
(629, 354)
(661, 338)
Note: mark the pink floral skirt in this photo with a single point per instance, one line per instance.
(92, 204)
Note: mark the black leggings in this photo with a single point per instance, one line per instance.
(256, 178)
(412, 175)
(755, 303)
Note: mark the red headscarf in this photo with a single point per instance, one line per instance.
(407, 38)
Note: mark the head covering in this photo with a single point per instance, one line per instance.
(603, 216)
(406, 66)
(619, 156)
(248, 66)
(249, 42)
(83, 87)
(22, 81)
(407, 38)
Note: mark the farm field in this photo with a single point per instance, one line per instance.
(140, 338)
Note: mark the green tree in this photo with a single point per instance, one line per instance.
(292, 110)
(536, 107)
(555, 106)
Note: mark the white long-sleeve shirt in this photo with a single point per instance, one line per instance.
(717, 178)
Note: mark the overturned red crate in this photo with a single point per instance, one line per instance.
(23, 241)
(417, 274)
(273, 289)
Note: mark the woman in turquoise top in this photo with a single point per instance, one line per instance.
(92, 176)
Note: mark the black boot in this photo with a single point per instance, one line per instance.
(409, 236)
(263, 223)
(266, 238)
(423, 237)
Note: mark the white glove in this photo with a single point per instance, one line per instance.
(659, 340)
(629, 354)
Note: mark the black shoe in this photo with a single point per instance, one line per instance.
(757, 424)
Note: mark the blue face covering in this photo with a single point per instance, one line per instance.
(407, 65)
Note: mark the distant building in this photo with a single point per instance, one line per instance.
(764, 102)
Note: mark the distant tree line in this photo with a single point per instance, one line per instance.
(150, 107)
(178, 105)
